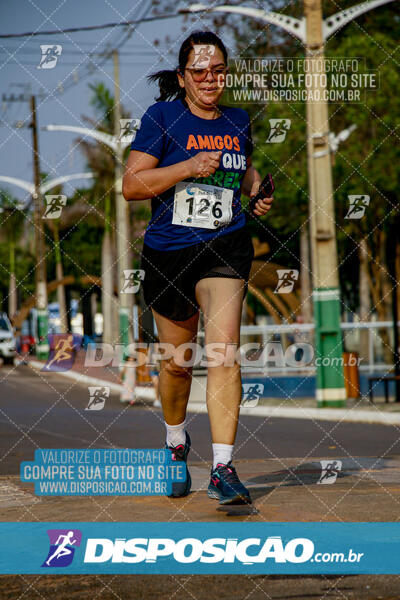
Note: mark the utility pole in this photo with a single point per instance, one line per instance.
(43, 189)
(42, 348)
(326, 294)
(391, 253)
(122, 223)
(313, 31)
(117, 144)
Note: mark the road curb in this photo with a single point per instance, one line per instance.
(316, 414)
(285, 412)
(142, 392)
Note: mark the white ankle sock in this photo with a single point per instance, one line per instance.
(222, 453)
(176, 434)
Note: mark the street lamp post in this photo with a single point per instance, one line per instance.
(37, 193)
(326, 294)
(122, 228)
(313, 32)
(117, 145)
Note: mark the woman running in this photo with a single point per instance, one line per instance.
(191, 156)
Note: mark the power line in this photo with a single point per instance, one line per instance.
(88, 28)
(76, 76)
(66, 52)
(107, 52)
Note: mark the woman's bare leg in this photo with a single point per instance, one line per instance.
(221, 301)
(175, 380)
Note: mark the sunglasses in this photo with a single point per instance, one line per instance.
(200, 74)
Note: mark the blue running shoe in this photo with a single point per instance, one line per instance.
(226, 486)
(181, 488)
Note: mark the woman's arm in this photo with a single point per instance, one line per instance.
(250, 184)
(143, 179)
(251, 180)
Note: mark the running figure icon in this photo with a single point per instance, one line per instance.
(50, 55)
(286, 280)
(63, 544)
(63, 351)
(62, 549)
(279, 129)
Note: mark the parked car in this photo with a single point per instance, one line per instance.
(7, 339)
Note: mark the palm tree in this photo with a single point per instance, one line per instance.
(12, 223)
(70, 215)
(100, 160)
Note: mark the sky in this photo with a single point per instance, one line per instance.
(65, 87)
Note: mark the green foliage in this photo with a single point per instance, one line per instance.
(366, 163)
(81, 250)
(102, 101)
(12, 221)
(12, 216)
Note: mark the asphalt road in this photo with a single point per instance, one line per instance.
(40, 410)
(48, 411)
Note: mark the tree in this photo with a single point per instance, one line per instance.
(12, 217)
(101, 161)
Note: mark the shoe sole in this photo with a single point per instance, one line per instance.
(187, 489)
(238, 499)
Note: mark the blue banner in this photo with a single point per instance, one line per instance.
(102, 472)
(200, 548)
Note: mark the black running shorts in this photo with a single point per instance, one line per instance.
(170, 276)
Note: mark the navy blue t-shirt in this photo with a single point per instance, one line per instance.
(172, 133)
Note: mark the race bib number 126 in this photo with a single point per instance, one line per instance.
(201, 205)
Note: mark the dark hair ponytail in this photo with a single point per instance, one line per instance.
(168, 84)
(168, 79)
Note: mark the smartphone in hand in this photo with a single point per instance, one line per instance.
(265, 190)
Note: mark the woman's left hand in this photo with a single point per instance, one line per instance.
(262, 206)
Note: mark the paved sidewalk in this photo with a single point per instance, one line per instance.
(283, 489)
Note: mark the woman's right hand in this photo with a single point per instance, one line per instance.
(203, 164)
